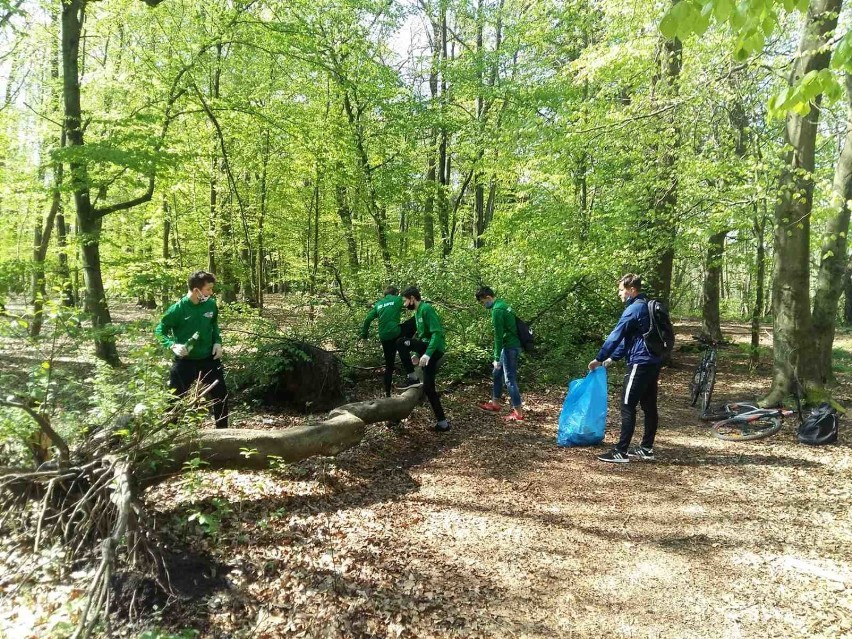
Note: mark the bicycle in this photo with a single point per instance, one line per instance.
(749, 422)
(704, 377)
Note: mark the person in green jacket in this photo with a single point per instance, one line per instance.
(507, 349)
(190, 330)
(425, 350)
(387, 310)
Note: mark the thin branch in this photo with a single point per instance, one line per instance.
(43, 117)
(557, 299)
(174, 96)
(227, 163)
(4, 19)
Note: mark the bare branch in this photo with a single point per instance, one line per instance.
(43, 423)
(4, 19)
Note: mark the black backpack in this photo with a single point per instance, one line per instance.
(525, 334)
(659, 340)
(820, 427)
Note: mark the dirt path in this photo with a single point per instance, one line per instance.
(494, 531)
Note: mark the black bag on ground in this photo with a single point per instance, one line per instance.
(525, 334)
(820, 427)
(659, 340)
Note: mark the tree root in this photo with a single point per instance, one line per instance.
(90, 500)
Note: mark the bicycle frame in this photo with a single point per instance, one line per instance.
(757, 423)
(757, 413)
(704, 377)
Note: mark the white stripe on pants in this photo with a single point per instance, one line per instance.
(630, 382)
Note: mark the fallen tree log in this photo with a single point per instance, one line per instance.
(90, 501)
(257, 449)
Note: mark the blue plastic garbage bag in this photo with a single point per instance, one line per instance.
(583, 416)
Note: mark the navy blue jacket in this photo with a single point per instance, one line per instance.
(626, 337)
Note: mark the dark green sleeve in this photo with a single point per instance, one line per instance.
(367, 321)
(498, 318)
(433, 324)
(217, 337)
(164, 328)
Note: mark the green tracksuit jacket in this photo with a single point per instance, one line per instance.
(505, 328)
(185, 318)
(388, 309)
(429, 328)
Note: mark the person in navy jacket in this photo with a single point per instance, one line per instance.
(643, 372)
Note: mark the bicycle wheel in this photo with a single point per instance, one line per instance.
(695, 386)
(707, 390)
(738, 429)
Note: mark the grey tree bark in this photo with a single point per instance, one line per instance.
(710, 325)
(794, 359)
(90, 218)
(665, 192)
(225, 448)
(829, 284)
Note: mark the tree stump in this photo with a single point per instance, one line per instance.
(309, 381)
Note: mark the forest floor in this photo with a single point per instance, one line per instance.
(491, 530)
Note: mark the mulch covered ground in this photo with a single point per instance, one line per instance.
(491, 530)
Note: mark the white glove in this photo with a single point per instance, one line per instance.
(594, 364)
(415, 360)
(497, 366)
(179, 350)
(217, 351)
(607, 362)
(424, 361)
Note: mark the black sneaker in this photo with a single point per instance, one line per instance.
(643, 454)
(442, 426)
(614, 456)
(410, 382)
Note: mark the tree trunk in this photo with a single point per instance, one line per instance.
(41, 242)
(88, 222)
(225, 448)
(230, 285)
(214, 203)
(42, 234)
(444, 166)
(717, 280)
(68, 297)
(795, 359)
(376, 211)
(165, 252)
(431, 153)
(431, 190)
(215, 171)
(664, 199)
(478, 175)
(345, 215)
(832, 266)
(261, 248)
(759, 295)
(847, 292)
(710, 291)
(316, 252)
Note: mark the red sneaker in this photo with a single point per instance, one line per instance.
(514, 416)
(489, 407)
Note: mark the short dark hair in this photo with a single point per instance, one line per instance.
(631, 280)
(483, 292)
(199, 279)
(412, 291)
(391, 290)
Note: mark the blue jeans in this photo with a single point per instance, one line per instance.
(508, 373)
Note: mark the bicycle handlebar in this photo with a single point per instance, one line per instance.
(703, 339)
